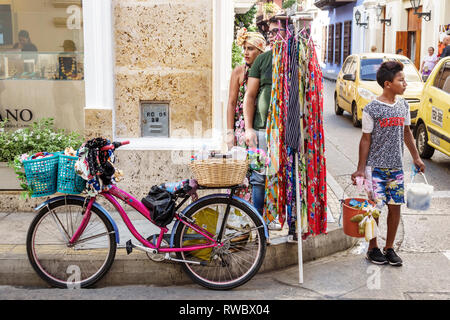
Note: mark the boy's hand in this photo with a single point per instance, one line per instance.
(419, 165)
(358, 173)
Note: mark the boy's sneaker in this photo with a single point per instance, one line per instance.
(392, 257)
(376, 256)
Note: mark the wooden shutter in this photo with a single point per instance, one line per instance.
(401, 41)
(330, 42)
(324, 43)
(338, 44)
(347, 39)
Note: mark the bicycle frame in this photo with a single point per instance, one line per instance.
(115, 192)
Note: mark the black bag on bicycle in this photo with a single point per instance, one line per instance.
(161, 204)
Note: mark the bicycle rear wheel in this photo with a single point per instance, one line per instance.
(65, 265)
(242, 249)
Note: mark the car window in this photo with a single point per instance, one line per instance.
(369, 68)
(442, 80)
(411, 74)
(352, 67)
(347, 65)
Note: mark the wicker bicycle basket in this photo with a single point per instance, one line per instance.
(219, 172)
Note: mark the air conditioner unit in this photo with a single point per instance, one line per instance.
(65, 3)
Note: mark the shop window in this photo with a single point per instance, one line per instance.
(42, 63)
(41, 40)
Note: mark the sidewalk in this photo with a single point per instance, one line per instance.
(137, 268)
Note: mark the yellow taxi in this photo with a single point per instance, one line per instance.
(356, 84)
(433, 120)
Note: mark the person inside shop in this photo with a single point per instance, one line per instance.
(446, 51)
(399, 51)
(68, 64)
(253, 44)
(256, 107)
(373, 49)
(25, 43)
(385, 129)
(428, 63)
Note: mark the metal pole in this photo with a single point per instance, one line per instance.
(299, 223)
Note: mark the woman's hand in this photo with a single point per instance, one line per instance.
(250, 138)
(229, 138)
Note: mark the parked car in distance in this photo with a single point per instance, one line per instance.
(356, 84)
(433, 120)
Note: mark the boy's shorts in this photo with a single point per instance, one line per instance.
(387, 185)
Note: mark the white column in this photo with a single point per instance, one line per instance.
(374, 26)
(223, 24)
(359, 33)
(98, 54)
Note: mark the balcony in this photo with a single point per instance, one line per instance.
(330, 4)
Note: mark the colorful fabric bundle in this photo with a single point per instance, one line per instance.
(295, 131)
(94, 165)
(316, 188)
(275, 193)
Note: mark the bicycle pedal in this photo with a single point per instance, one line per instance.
(129, 246)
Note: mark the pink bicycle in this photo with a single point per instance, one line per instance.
(220, 239)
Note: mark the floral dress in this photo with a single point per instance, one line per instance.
(239, 130)
(239, 124)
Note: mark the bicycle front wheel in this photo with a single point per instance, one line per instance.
(65, 265)
(240, 253)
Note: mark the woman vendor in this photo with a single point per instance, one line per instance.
(254, 44)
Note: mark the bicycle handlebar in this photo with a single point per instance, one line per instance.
(114, 145)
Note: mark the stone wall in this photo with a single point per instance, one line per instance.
(163, 53)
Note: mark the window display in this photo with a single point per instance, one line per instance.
(41, 66)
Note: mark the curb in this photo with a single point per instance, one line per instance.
(138, 269)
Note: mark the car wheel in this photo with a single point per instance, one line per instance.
(355, 121)
(337, 110)
(425, 150)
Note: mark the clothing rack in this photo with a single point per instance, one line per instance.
(299, 166)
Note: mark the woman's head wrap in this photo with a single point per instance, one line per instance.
(254, 38)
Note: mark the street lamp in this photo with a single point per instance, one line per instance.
(385, 21)
(425, 15)
(358, 19)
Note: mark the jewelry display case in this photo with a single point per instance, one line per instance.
(41, 66)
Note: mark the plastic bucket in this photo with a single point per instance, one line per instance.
(68, 181)
(418, 195)
(42, 175)
(348, 212)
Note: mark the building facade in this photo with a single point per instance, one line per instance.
(404, 29)
(338, 31)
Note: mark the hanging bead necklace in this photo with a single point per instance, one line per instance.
(63, 68)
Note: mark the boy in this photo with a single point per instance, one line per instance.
(385, 126)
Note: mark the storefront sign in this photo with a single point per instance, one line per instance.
(14, 115)
(23, 102)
